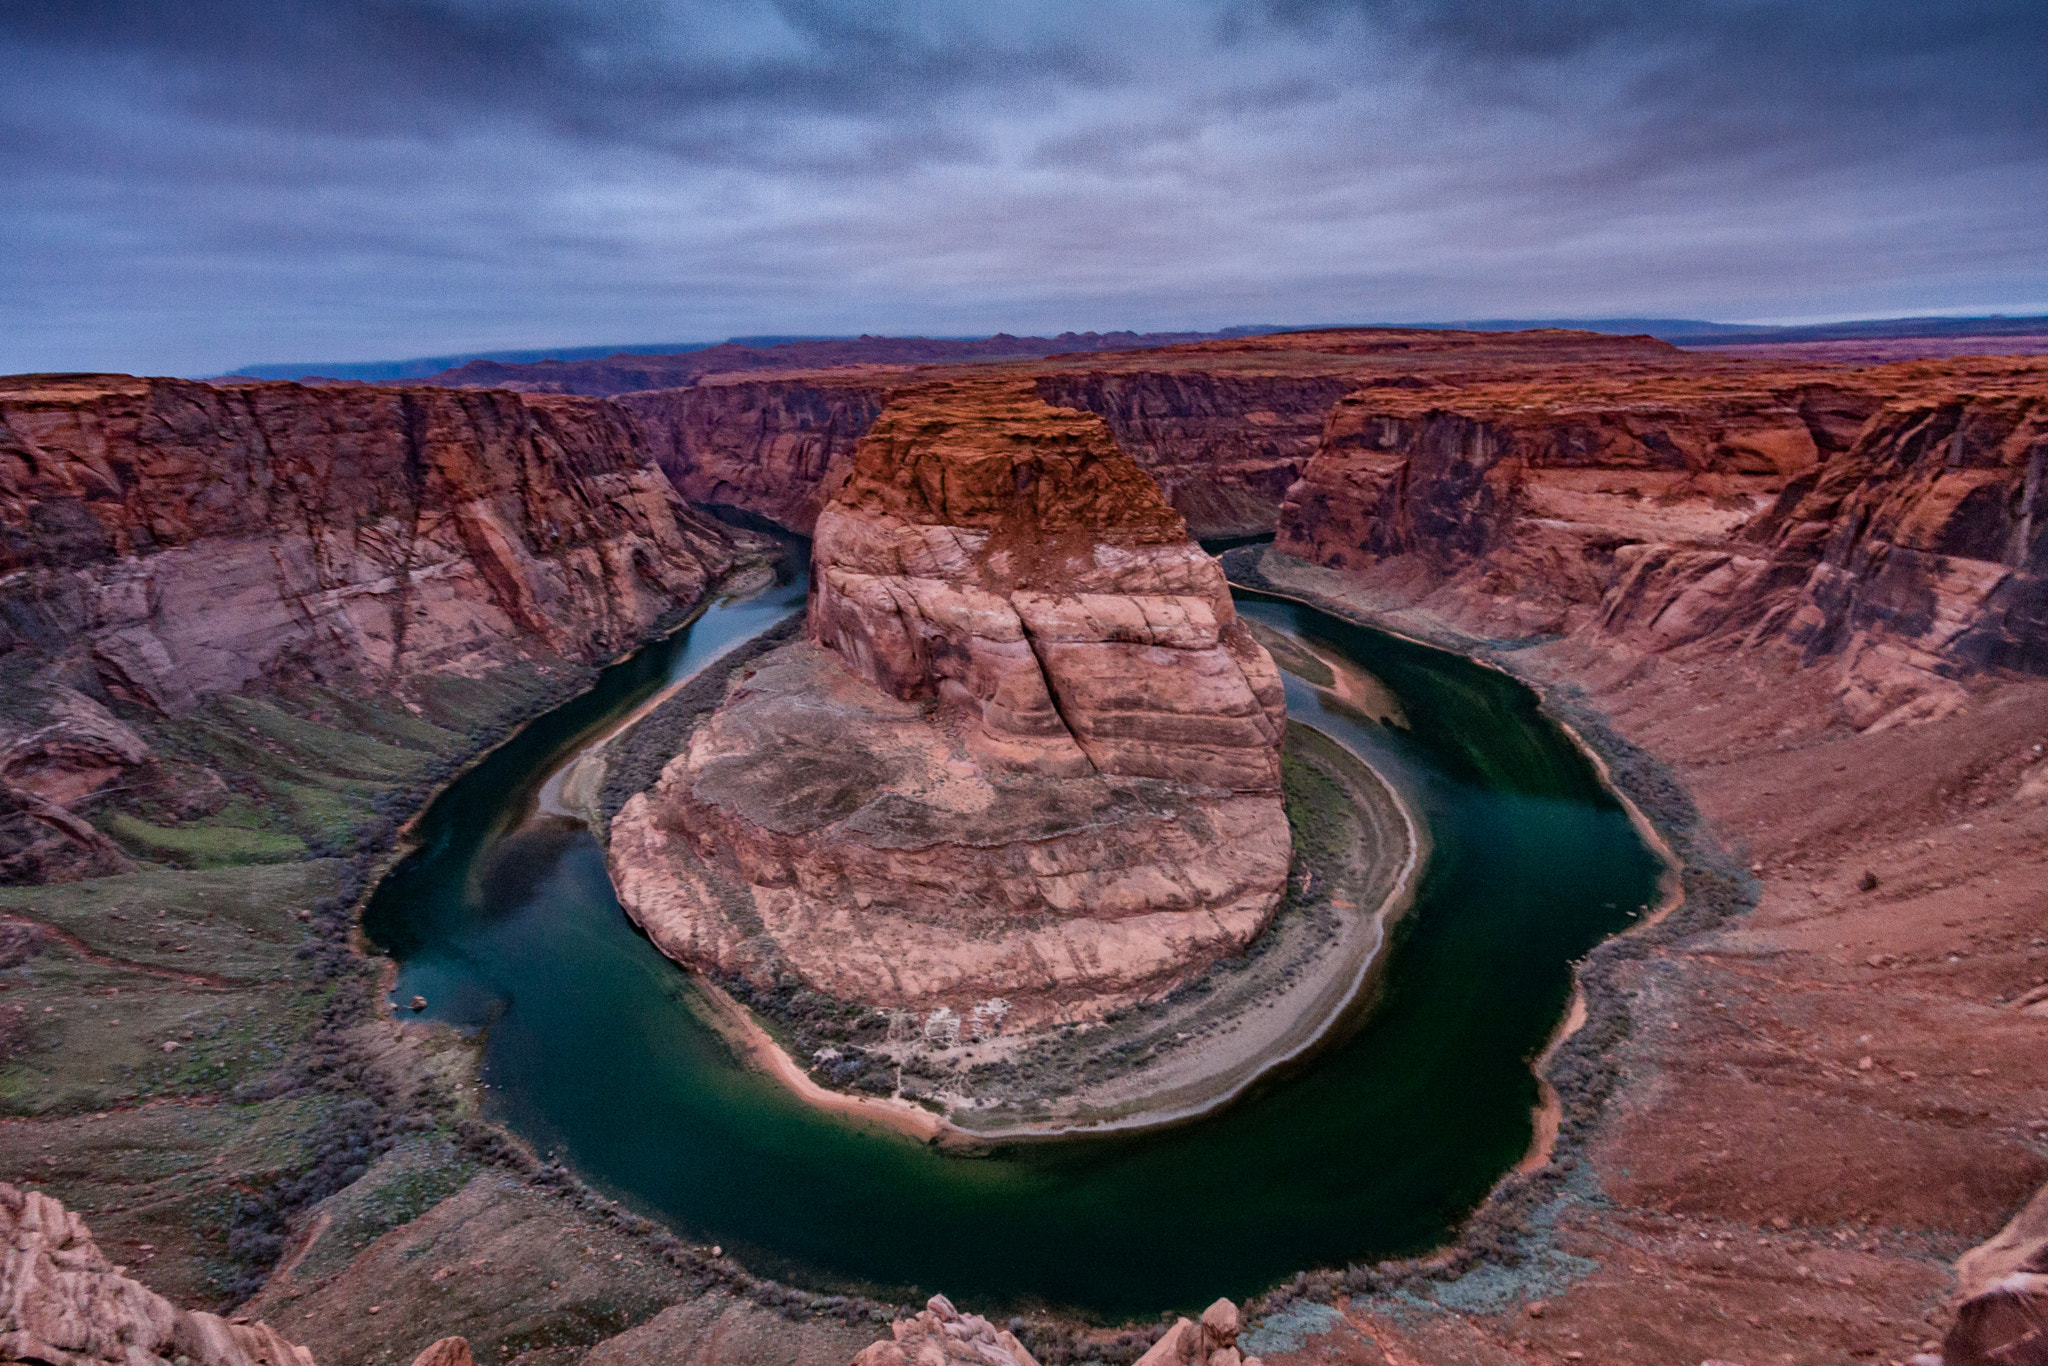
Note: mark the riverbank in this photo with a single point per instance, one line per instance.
(1266, 571)
(1359, 850)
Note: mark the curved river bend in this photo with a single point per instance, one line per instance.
(599, 1050)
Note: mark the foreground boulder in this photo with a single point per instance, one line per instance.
(62, 1303)
(940, 1335)
(2002, 1286)
(1026, 767)
(1210, 1342)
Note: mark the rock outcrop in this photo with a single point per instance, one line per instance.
(940, 1335)
(2002, 1287)
(1029, 754)
(62, 1303)
(1921, 553)
(1003, 554)
(1211, 1341)
(446, 1352)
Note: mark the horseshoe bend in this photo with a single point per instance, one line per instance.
(1023, 770)
(1571, 894)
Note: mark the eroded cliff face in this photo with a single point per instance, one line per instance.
(1928, 551)
(1224, 426)
(775, 448)
(1887, 520)
(1224, 448)
(189, 535)
(162, 541)
(1029, 753)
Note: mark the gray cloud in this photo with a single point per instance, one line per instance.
(196, 185)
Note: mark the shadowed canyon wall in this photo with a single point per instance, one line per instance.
(1224, 448)
(776, 448)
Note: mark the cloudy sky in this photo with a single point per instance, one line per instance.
(194, 185)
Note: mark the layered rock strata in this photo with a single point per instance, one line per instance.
(1224, 448)
(1890, 520)
(190, 535)
(777, 448)
(1224, 427)
(163, 540)
(62, 1303)
(1029, 756)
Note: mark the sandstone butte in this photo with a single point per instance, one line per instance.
(1028, 754)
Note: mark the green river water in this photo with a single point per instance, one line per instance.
(596, 1049)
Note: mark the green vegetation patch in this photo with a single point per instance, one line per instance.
(210, 843)
(1318, 808)
(159, 1184)
(328, 819)
(328, 749)
(239, 923)
(93, 1037)
(469, 705)
(395, 725)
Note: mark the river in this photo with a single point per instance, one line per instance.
(599, 1050)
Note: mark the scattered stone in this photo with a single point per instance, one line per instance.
(446, 1352)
